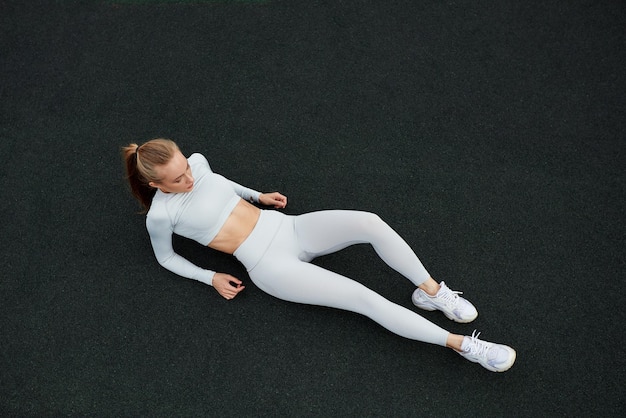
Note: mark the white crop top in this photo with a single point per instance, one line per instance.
(198, 215)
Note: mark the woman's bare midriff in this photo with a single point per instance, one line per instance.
(237, 227)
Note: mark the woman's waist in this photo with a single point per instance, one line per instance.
(236, 228)
(257, 242)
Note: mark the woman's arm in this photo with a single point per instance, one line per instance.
(245, 193)
(273, 199)
(161, 239)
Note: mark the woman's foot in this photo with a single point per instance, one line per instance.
(494, 357)
(447, 301)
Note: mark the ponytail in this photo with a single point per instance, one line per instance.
(141, 162)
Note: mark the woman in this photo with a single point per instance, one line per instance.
(183, 196)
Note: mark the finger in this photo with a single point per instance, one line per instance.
(232, 294)
(281, 202)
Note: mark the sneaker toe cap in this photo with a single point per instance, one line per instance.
(465, 311)
(502, 357)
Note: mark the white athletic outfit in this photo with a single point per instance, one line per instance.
(277, 252)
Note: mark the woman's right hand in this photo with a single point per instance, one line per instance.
(226, 285)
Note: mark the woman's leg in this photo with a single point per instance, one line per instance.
(324, 232)
(282, 273)
(298, 281)
(293, 280)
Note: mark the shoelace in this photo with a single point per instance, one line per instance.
(449, 296)
(477, 347)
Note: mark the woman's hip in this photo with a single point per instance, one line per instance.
(273, 233)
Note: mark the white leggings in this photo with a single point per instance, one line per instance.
(278, 251)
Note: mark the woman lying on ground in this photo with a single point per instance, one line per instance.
(183, 196)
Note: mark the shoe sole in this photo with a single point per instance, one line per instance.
(461, 321)
(507, 366)
(450, 317)
(504, 368)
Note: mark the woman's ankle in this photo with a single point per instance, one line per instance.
(455, 342)
(430, 286)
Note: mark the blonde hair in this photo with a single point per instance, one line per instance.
(141, 163)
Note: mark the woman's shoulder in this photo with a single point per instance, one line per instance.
(158, 214)
(197, 159)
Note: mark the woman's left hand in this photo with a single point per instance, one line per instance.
(274, 199)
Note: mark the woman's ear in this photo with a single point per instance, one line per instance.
(153, 185)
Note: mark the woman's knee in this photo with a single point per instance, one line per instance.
(370, 221)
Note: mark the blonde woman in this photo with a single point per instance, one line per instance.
(184, 196)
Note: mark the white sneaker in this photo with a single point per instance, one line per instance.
(494, 357)
(447, 301)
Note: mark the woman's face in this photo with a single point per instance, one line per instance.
(176, 176)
